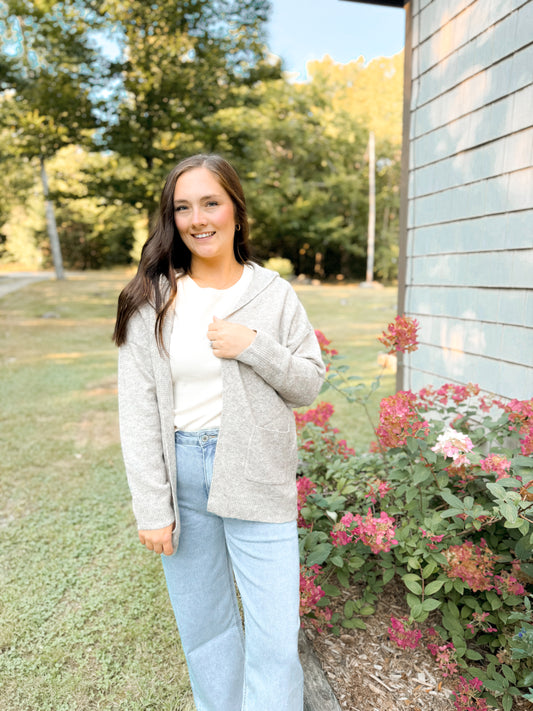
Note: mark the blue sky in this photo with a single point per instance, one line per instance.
(300, 30)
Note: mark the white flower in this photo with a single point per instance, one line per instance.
(453, 444)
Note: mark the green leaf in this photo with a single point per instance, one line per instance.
(412, 445)
(434, 586)
(331, 590)
(349, 608)
(452, 624)
(343, 578)
(356, 562)
(319, 554)
(430, 603)
(459, 586)
(337, 560)
(412, 599)
(421, 474)
(495, 685)
(508, 673)
(416, 611)
(367, 610)
(388, 575)
(451, 499)
(510, 512)
(410, 581)
(507, 703)
(354, 623)
(429, 570)
(472, 654)
(442, 479)
(527, 680)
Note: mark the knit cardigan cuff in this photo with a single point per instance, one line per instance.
(263, 352)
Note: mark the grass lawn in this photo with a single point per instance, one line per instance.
(352, 318)
(85, 622)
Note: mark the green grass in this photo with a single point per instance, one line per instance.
(85, 621)
(352, 318)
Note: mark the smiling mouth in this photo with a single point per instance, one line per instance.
(203, 235)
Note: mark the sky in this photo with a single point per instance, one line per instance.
(301, 30)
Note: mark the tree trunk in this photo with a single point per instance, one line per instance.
(51, 226)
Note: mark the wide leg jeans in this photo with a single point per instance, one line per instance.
(229, 669)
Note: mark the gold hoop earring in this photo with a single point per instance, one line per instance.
(237, 228)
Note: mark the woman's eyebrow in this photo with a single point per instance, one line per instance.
(202, 199)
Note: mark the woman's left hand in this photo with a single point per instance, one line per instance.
(229, 339)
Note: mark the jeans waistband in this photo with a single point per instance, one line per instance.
(199, 438)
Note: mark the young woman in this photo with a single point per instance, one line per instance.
(215, 352)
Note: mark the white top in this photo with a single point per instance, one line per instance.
(196, 371)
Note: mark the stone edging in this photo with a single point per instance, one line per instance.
(318, 695)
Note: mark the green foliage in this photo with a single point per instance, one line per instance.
(461, 533)
(144, 85)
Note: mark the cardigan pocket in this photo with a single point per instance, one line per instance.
(271, 457)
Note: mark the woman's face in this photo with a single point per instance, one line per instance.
(204, 215)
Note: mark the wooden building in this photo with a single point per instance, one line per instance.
(466, 234)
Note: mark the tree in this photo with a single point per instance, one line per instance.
(48, 71)
(178, 64)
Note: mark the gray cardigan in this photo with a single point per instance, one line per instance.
(256, 456)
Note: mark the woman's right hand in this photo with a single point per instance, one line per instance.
(158, 540)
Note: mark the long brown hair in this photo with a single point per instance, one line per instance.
(164, 252)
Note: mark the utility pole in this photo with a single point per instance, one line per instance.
(371, 209)
(51, 225)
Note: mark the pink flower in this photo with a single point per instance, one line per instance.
(479, 622)
(403, 637)
(467, 695)
(433, 539)
(305, 487)
(319, 416)
(505, 582)
(399, 420)
(520, 413)
(474, 565)
(401, 335)
(383, 489)
(327, 353)
(430, 398)
(310, 596)
(444, 656)
(496, 465)
(376, 533)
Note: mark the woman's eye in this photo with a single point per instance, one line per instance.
(180, 208)
(212, 203)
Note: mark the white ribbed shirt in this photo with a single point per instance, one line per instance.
(196, 371)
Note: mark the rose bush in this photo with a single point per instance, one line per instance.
(444, 502)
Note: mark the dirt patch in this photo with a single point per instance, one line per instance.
(97, 430)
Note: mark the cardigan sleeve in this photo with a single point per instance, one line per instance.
(292, 365)
(140, 430)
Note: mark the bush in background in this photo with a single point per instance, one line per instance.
(280, 265)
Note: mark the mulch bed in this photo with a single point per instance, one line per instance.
(368, 672)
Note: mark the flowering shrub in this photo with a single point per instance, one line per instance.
(444, 502)
(310, 596)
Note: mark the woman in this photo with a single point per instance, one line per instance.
(215, 352)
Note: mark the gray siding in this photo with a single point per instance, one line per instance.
(469, 249)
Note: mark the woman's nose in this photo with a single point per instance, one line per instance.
(198, 216)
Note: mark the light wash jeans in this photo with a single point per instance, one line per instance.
(229, 670)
